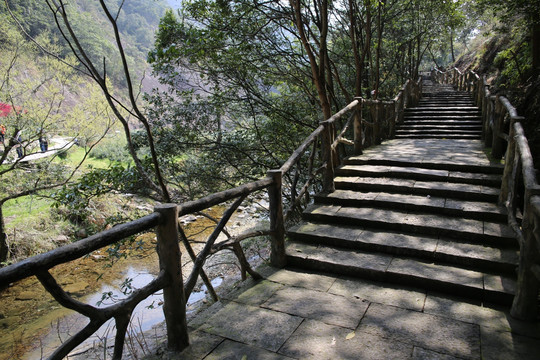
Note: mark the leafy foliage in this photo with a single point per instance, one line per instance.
(137, 20)
(241, 88)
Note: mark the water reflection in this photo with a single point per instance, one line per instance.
(32, 324)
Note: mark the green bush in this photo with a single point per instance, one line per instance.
(113, 149)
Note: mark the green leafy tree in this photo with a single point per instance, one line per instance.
(34, 89)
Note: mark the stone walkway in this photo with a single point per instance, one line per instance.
(297, 314)
(300, 315)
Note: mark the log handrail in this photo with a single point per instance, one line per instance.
(326, 142)
(503, 132)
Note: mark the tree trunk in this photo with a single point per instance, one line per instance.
(358, 62)
(535, 39)
(317, 69)
(3, 239)
(452, 46)
(378, 52)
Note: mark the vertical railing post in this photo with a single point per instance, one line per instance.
(392, 131)
(525, 304)
(479, 89)
(328, 177)
(377, 123)
(487, 115)
(401, 107)
(510, 158)
(497, 150)
(358, 128)
(277, 224)
(174, 301)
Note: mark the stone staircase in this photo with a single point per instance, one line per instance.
(415, 212)
(442, 113)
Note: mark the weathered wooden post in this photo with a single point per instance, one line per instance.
(487, 115)
(377, 123)
(392, 131)
(277, 226)
(479, 96)
(497, 150)
(174, 301)
(328, 177)
(406, 94)
(358, 128)
(400, 107)
(525, 305)
(510, 158)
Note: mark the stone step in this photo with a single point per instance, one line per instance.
(402, 270)
(438, 136)
(446, 251)
(430, 132)
(446, 93)
(440, 127)
(448, 105)
(425, 163)
(477, 231)
(444, 114)
(416, 187)
(444, 109)
(448, 116)
(440, 121)
(476, 210)
(446, 102)
(419, 173)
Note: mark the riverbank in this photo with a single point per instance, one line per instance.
(36, 324)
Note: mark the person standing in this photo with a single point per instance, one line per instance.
(2, 134)
(18, 144)
(43, 143)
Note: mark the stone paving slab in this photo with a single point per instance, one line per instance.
(200, 345)
(257, 294)
(504, 345)
(431, 332)
(252, 325)
(322, 306)
(497, 318)
(317, 340)
(231, 350)
(383, 293)
(303, 279)
(423, 354)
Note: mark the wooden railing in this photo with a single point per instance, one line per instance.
(520, 192)
(308, 170)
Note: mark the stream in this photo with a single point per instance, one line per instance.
(33, 324)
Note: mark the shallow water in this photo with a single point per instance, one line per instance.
(32, 324)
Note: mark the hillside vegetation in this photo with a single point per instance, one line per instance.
(506, 50)
(46, 96)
